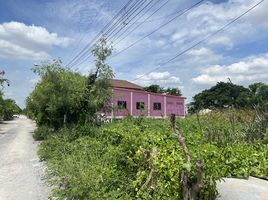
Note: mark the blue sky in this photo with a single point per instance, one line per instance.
(35, 30)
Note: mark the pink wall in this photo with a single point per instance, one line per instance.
(154, 98)
(121, 95)
(174, 104)
(140, 97)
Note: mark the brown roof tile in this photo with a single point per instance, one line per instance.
(124, 84)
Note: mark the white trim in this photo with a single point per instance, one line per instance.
(149, 104)
(165, 106)
(131, 103)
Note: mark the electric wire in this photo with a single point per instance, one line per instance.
(97, 36)
(203, 40)
(160, 27)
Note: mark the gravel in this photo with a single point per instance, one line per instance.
(20, 169)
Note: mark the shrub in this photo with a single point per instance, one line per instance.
(42, 133)
(115, 161)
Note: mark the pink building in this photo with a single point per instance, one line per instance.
(130, 99)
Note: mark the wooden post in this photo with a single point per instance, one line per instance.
(190, 188)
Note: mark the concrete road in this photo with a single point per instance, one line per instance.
(241, 189)
(20, 169)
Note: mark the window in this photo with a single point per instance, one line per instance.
(179, 104)
(157, 106)
(140, 105)
(122, 104)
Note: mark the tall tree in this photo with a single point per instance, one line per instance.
(98, 91)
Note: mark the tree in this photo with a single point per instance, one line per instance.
(154, 89)
(259, 93)
(10, 108)
(7, 107)
(98, 91)
(64, 97)
(2, 79)
(158, 89)
(222, 95)
(174, 91)
(55, 99)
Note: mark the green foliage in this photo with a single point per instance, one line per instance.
(98, 91)
(42, 133)
(259, 93)
(56, 96)
(158, 89)
(222, 95)
(173, 91)
(229, 95)
(115, 161)
(8, 107)
(63, 97)
(154, 89)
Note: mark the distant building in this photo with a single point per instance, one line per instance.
(131, 99)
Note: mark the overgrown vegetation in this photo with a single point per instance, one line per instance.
(139, 158)
(63, 97)
(8, 107)
(142, 159)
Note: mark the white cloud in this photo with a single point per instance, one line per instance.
(200, 52)
(160, 78)
(202, 56)
(223, 40)
(209, 17)
(19, 41)
(248, 70)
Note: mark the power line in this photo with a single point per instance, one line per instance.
(84, 57)
(100, 33)
(163, 25)
(126, 15)
(119, 20)
(135, 28)
(135, 17)
(82, 36)
(203, 40)
(156, 19)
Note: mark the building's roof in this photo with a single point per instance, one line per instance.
(124, 84)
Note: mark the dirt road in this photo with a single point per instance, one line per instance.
(20, 169)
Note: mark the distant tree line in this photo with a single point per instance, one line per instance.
(158, 89)
(230, 95)
(8, 107)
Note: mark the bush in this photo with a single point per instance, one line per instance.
(42, 133)
(115, 161)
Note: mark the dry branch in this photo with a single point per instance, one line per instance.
(190, 188)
